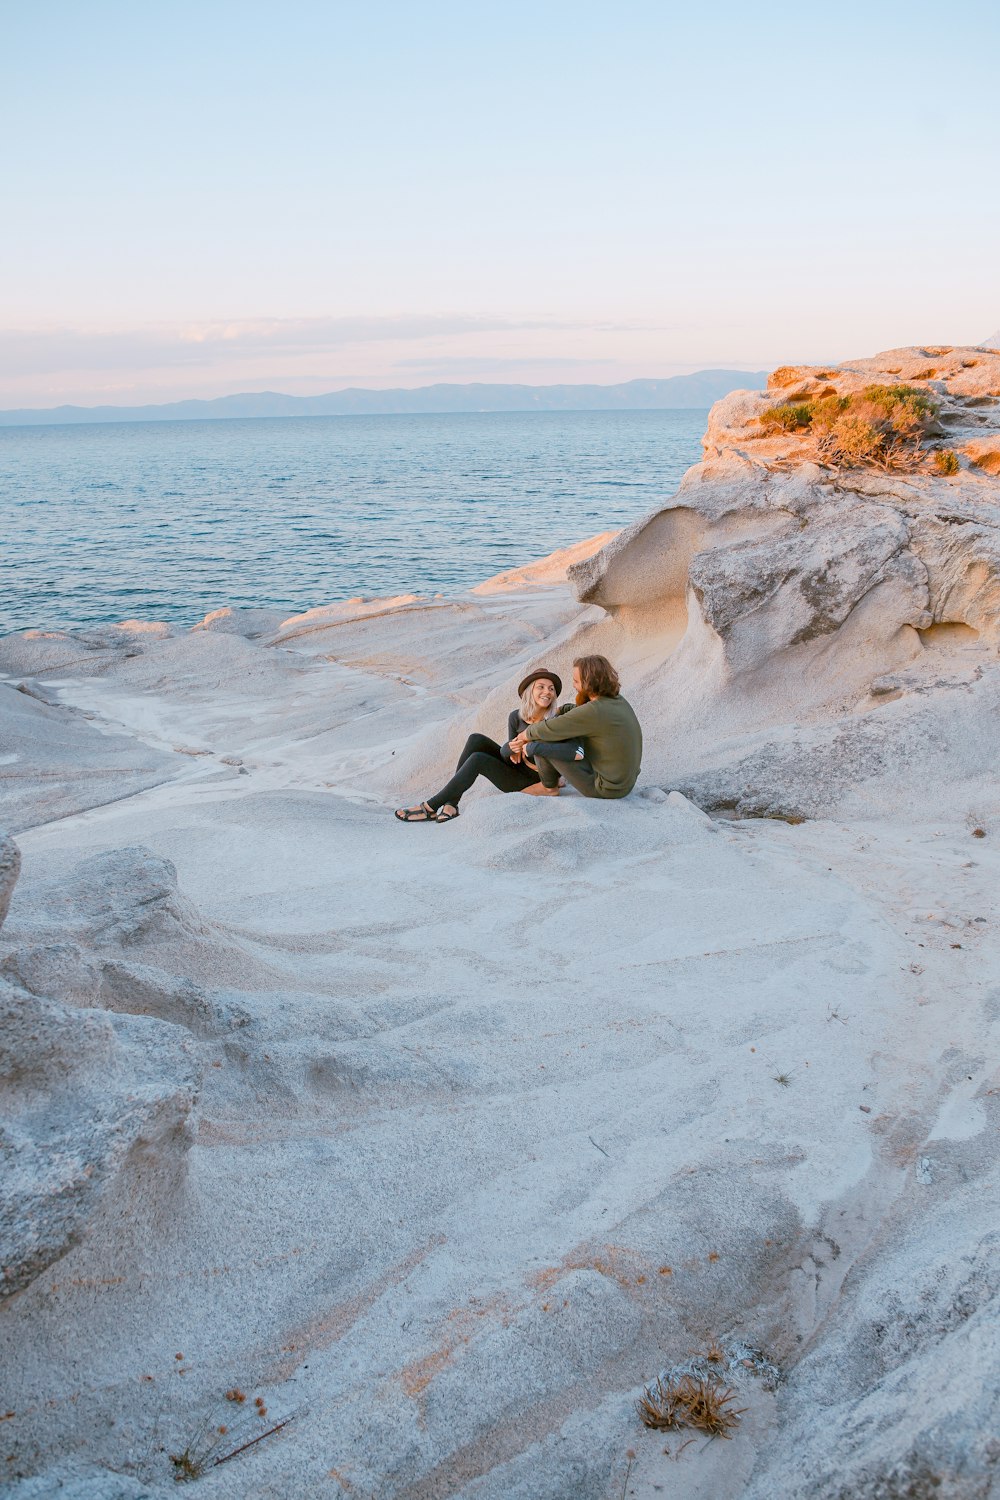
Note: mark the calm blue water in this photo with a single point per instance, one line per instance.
(168, 520)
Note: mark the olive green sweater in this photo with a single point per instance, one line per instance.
(613, 740)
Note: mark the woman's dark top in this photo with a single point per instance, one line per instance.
(515, 726)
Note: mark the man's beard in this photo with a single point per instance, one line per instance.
(581, 699)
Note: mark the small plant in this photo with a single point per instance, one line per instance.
(689, 1401)
(880, 427)
(199, 1456)
(785, 1079)
(788, 416)
(662, 1406)
(946, 461)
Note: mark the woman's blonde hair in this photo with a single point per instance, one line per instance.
(529, 708)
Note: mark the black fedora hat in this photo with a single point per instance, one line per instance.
(553, 677)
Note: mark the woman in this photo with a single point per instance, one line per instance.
(508, 769)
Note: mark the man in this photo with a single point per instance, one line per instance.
(597, 745)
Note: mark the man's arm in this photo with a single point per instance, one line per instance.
(574, 724)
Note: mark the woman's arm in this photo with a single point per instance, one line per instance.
(513, 724)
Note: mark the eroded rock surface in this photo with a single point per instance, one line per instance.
(79, 1095)
(501, 1119)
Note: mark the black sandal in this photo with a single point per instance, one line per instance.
(444, 816)
(421, 814)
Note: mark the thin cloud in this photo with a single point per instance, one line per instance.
(474, 364)
(49, 351)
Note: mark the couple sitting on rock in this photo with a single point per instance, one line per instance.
(596, 745)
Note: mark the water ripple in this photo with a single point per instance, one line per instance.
(168, 520)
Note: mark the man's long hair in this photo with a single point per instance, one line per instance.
(598, 678)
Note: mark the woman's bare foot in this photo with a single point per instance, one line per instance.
(540, 791)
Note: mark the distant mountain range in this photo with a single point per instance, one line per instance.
(675, 392)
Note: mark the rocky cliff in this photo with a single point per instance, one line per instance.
(830, 567)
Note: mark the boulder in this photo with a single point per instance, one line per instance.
(119, 898)
(80, 1093)
(249, 623)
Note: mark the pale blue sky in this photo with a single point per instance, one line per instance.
(221, 196)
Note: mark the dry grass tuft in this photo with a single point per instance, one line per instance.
(186, 1466)
(881, 427)
(924, 374)
(690, 1401)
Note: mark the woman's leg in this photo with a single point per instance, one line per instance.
(556, 750)
(476, 743)
(503, 774)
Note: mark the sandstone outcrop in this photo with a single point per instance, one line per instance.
(786, 590)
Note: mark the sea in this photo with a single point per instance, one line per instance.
(169, 520)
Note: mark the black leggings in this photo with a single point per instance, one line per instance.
(481, 757)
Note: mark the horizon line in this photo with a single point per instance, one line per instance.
(376, 393)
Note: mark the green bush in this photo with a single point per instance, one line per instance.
(946, 462)
(789, 416)
(882, 426)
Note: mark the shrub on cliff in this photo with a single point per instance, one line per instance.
(789, 415)
(881, 427)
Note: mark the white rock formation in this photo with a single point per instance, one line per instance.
(84, 1102)
(777, 600)
(498, 1120)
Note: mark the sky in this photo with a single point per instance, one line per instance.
(201, 198)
